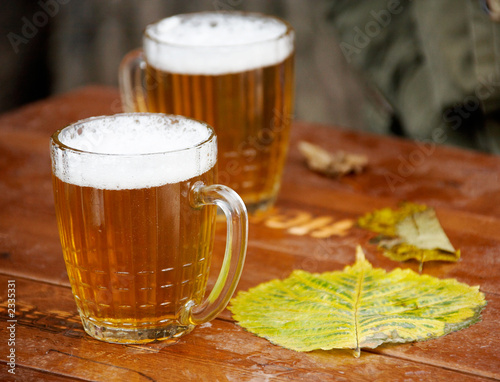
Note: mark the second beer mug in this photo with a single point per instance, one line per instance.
(135, 203)
(234, 71)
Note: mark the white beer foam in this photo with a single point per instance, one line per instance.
(119, 152)
(213, 43)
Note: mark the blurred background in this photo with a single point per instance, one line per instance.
(427, 69)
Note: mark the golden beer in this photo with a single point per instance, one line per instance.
(136, 250)
(234, 71)
(135, 257)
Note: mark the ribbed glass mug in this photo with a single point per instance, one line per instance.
(233, 70)
(135, 198)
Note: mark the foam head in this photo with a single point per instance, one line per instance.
(130, 151)
(213, 43)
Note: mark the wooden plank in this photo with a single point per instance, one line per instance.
(50, 337)
(26, 374)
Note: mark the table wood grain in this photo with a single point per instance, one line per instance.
(310, 228)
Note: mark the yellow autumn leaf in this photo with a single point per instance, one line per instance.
(384, 220)
(360, 307)
(412, 231)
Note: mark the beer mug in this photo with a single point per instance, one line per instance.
(233, 70)
(136, 206)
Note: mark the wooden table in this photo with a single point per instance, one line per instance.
(309, 229)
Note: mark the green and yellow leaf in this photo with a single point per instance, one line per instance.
(361, 307)
(384, 221)
(411, 232)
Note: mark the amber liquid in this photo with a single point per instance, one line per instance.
(251, 113)
(135, 257)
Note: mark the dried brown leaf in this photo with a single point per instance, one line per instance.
(335, 164)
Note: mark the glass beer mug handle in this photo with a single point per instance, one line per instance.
(131, 77)
(234, 257)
